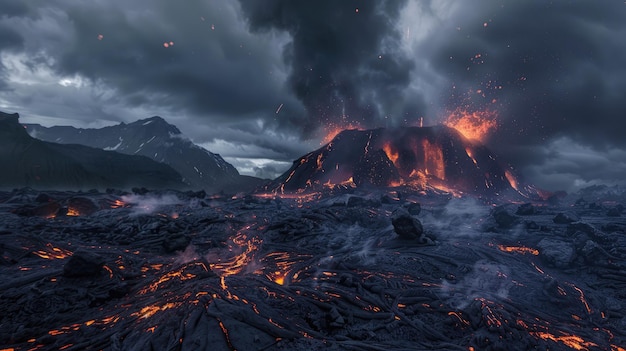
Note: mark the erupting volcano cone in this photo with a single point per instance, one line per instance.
(437, 158)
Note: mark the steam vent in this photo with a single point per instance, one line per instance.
(436, 157)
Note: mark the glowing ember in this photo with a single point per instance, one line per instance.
(72, 212)
(519, 249)
(473, 125)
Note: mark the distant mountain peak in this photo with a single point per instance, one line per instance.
(156, 126)
(159, 140)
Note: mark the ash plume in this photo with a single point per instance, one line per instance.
(345, 60)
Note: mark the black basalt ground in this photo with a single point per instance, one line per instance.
(187, 271)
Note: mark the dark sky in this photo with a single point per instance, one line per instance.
(261, 82)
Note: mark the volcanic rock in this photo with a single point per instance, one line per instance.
(49, 209)
(175, 242)
(594, 253)
(526, 209)
(43, 198)
(314, 274)
(615, 211)
(504, 216)
(83, 264)
(82, 205)
(358, 201)
(414, 208)
(405, 225)
(566, 218)
(375, 168)
(558, 253)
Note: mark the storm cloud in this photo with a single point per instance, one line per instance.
(259, 82)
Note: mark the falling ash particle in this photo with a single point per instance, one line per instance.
(279, 108)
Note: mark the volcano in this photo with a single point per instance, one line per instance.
(423, 158)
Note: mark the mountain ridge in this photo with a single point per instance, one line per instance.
(161, 141)
(45, 165)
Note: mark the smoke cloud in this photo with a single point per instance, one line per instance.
(346, 63)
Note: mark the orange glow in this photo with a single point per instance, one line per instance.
(573, 341)
(470, 154)
(582, 298)
(473, 125)
(391, 153)
(433, 160)
(72, 212)
(52, 252)
(319, 162)
(332, 131)
(117, 204)
(171, 275)
(512, 180)
(238, 263)
(458, 316)
(346, 183)
(279, 278)
(150, 311)
(519, 249)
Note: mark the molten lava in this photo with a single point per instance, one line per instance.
(72, 212)
(333, 130)
(512, 180)
(475, 125)
(519, 249)
(391, 153)
(433, 160)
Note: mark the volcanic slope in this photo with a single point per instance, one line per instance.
(163, 142)
(34, 163)
(436, 157)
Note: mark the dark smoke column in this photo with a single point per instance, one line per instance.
(345, 57)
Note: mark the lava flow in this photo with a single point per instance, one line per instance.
(368, 268)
